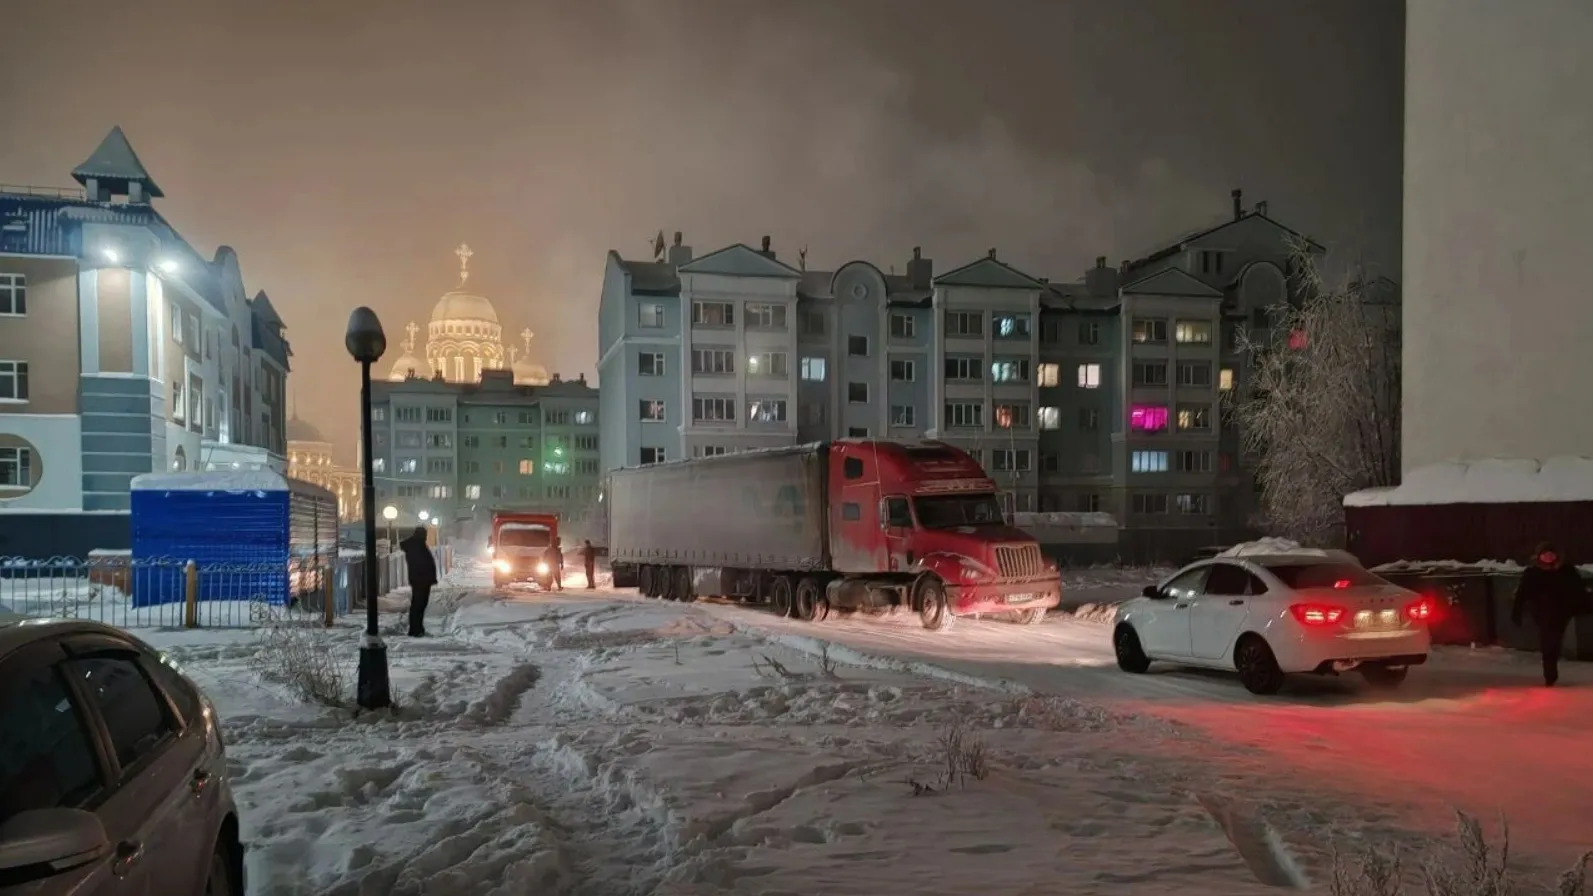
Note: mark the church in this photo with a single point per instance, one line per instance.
(463, 339)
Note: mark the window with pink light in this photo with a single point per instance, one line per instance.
(1148, 418)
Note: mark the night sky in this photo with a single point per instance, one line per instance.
(345, 148)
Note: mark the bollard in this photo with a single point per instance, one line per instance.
(328, 595)
(191, 596)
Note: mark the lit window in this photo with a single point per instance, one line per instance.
(1148, 462)
(1089, 376)
(1148, 418)
(1050, 418)
(1050, 374)
(527, 467)
(813, 370)
(1225, 379)
(1193, 332)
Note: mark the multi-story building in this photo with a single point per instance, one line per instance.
(311, 459)
(122, 351)
(1105, 395)
(458, 451)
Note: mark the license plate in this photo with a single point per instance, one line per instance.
(1023, 598)
(1375, 619)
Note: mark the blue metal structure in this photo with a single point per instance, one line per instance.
(255, 536)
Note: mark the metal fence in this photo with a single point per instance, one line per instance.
(119, 590)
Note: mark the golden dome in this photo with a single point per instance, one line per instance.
(462, 306)
(529, 373)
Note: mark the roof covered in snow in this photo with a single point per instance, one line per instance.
(1282, 549)
(1494, 481)
(224, 481)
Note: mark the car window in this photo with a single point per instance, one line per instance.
(1228, 580)
(182, 692)
(135, 717)
(1323, 575)
(898, 514)
(47, 759)
(1186, 584)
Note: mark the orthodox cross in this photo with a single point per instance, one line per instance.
(411, 329)
(464, 254)
(526, 335)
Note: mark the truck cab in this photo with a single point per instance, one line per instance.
(928, 511)
(520, 544)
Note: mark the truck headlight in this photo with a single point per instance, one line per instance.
(502, 566)
(542, 569)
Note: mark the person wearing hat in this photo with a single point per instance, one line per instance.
(1552, 593)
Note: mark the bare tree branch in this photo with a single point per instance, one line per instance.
(1321, 417)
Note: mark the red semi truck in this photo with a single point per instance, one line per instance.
(854, 525)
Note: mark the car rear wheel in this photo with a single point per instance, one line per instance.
(1385, 676)
(1130, 655)
(220, 882)
(1258, 668)
(780, 599)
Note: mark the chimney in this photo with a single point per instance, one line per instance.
(581, 378)
(1261, 207)
(1238, 204)
(1100, 261)
(920, 270)
(766, 252)
(678, 254)
(1124, 266)
(993, 253)
(1101, 281)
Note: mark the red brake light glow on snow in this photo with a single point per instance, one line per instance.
(1422, 610)
(1317, 614)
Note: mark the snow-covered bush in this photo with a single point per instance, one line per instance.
(297, 651)
(1467, 867)
(1320, 413)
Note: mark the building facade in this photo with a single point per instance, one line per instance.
(311, 459)
(459, 451)
(1105, 395)
(123, 350)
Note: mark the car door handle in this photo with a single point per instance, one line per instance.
(1236, 603)
(1180, 606)
(200, 781)
(128, 852)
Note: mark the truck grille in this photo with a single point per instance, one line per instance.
(1018, 560)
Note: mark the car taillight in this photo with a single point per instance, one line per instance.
(1423, 610)
(1317, 614)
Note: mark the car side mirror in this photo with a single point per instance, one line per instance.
(57, 839)
(1150, 591)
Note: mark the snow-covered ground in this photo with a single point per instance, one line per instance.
(593, 742)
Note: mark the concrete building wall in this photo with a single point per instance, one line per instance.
(1498, 212)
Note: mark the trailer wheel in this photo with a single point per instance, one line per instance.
(645, 582)
(683, 590)
(934, 611)
(810, 603)
(780, 596)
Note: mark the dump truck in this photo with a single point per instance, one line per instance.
(846, 526)
(519, 544)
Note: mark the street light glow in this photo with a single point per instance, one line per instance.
(168, 265)
(389, 513)
(111, 255)
(424, 516)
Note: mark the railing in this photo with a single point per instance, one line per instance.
(48, 192)
(171, 592)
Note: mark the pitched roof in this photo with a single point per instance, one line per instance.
(1178, 245)
(651, 278)
(991, 273)
(740, 260)
(114, 159)
(1170, 282)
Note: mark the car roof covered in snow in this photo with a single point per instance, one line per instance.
(1278, 551)
(17, 630)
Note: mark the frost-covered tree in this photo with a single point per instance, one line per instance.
(1321, 415)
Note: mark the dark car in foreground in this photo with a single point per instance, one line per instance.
(113, 774)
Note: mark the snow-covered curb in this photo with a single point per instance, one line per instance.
(839, 653)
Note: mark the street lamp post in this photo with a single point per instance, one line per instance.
(390, 513)
(366, 342)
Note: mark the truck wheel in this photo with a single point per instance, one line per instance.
(780, 596)
(683, 590)
(810, 603)
(934, 611)
(1034, 616)
(645, 582)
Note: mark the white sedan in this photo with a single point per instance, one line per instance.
(1268, 615)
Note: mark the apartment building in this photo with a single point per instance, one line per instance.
(1104, 395)
(123, 350)
(459, 451)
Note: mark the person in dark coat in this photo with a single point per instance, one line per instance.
(1552, 593)
(589, 558)
(422, 576)
(554, 558)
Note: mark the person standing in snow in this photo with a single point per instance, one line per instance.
(554, 558)
(1552, 593)
(422, 575)
(589, 558)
